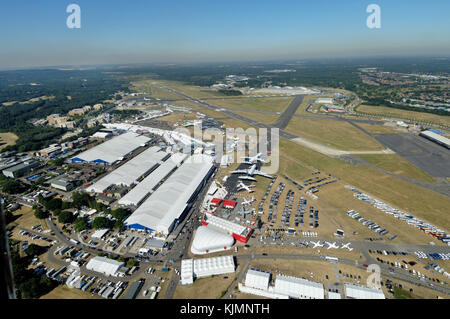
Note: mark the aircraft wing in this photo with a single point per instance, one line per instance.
(261, 174)
(247, 178)
(239, 171)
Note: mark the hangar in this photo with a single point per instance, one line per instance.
(240, 233)
(206, 267)
(361, 292)
(104, 265)
(298, 288)
(135, 196)
(113, 150)
(207, 239)
(168, 204)
(128, 173)
(436, 138)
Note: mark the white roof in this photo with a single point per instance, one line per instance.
(142, 189)
(213, 266)
(298, 288)
(101, 134)
(167, 203)
(208, 240)
(361, 292)
(187, 272)
(114, 149)
(130, 171)
(436, 137)
(224, 224)
(334, 295)
(104, 265)
(257, 279)
(99, 233)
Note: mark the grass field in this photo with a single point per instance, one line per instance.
(381, 129)
(260, 117)
(205, 288)
(404, 114)
(336, 134)
(397, 165)
(7, 139)
(64, 292)
(423, 203)
(278, 104)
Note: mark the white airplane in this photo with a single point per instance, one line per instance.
(254, 159)
(332, 245)
(317, 244)
(248, 202)
(250, 172)
(347, 245)
(242, 186)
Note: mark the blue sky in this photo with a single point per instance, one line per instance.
(34, 33)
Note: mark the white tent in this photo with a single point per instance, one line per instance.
(257, 279)
(298, 288)
(106, 266)
(362, 292)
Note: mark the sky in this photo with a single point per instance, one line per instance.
(34, 33)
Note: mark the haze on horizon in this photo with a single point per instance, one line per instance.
(174, 31)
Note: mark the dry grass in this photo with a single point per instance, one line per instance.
(404, 114)
(278, 104)
(64, 292)
(7, 139)
(336, 134)
(397, 165)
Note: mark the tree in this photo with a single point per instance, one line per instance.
(80, 224)
(121, 259)
(34, 250)
(80, 199)
(53, 204)
(100, 223)
(131, 263)
(12, 186)
(119, 213)
(118, 225)
(40, 214)
(65, 217)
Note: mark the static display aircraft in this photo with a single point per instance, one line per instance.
(242, 186)
(250, 172)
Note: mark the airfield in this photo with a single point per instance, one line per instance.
(309, 145)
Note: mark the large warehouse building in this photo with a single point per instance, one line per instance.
(257, 282)
(113, 150)
(147, 185)
(131, 171)
(169, 203)
(361, 292)
(206, 267)
(436, 138)
(104, 265)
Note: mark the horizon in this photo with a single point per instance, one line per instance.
(177, 32)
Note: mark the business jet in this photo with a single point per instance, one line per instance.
(242, 186)
(332, 245)
(347, 245)
(246, 202)
(317, 244)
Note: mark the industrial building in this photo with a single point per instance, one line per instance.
(104, 265)
(131, 171)
(135, 196)
(208, 239)
(362, 292)
(436, 138)
(113, 150)
(20, 169)
(206, 267)
(169, 203)
(62, 183)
